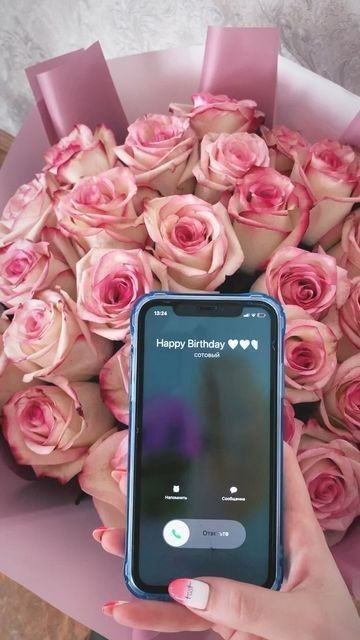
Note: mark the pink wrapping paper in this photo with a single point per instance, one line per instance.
(45, 539)
(316, 106)
(351, 134)
(46, 546)
(347, 556)
(33, 74)
(77, 88)
(25, 156)
(242, 63)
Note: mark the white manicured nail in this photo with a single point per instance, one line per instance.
(192, 593)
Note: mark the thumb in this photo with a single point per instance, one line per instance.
(241, 606)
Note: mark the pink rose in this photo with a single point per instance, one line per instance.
(27, 212)
(268, 212)
(285, 145)
(331, 172)
(349, 321)
(99, 212)
(104, 477)
(161, 151)
(332, 474)
(350, 242)
(292, 426)
(224, 159)
(26, 268)
(220, 114)
(143, 195)
(194, 240)
(310, 355)
(109, 282)
(342, 401)
(81, 153)
(51, 429)
(347, 252)
(114, 383)
(11, 378)
(46, 339)
(311, 281)
(315, 429)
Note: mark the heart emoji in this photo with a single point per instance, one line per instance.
(233, 343)
(244, 344)
(255, 344)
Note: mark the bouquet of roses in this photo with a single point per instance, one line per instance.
(204, 198)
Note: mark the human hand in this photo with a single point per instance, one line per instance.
(313, 601)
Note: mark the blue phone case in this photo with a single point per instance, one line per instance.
(161, 295)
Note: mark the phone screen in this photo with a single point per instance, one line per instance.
(207, 428)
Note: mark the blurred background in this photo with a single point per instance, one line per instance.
(322, 35)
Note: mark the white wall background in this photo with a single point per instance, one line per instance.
(323, 35)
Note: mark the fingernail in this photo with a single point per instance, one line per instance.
(117, 475)
(192, 593)
(98, 533)
(109, 607)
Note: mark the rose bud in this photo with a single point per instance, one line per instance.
(27, 212)
(224, 159)
(292, 426)
(331, 172)
(80, 154)
(347, 252)
(51, 429)
(285, 145)
(104, 477)
(109, 282)
(220, 114)
(268, 211)
(114, 383)
(98, 212)
(311, 281)
(161, 151)
(310, 356)
(332, 474)
(349, 321)
(11, 378)
(26, 268)
(194, 241)
(46, 338)
(342, 401)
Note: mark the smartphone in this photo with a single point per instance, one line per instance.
(205, 441)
